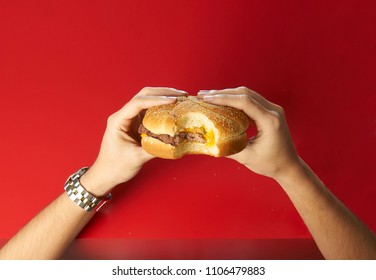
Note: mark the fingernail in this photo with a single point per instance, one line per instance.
(169, 97)
(206, 97)
(212, 91)
(153, 97)
(179, 91)
(202, 91)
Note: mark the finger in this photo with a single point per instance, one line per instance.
(146, 156)
(242, 157)
(141, 102)
(164, 91)
(240, 90)
(203, 92)
(262, 100)
(149, 97)
(244, 102)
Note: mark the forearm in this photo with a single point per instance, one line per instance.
(338, 233)
(49, 233)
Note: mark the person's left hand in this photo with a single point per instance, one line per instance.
(121, 156)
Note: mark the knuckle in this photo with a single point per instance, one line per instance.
(111, 119)
(243, 90)
(280, 110)
(274, 120)
(145, 91)
(247, 99)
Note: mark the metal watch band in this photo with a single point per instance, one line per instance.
(79, 195)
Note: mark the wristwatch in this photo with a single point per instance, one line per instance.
(79, 195)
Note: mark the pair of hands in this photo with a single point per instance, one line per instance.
(271, 152)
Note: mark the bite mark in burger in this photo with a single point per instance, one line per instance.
(191, 126)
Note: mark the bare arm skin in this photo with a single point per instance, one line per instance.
(49, 233)
(338, 233)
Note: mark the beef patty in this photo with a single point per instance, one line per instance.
(174, 140)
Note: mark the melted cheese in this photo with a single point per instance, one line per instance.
(209, 137)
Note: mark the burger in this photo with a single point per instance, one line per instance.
(191, 126)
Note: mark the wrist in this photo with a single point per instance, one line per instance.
(292, 172)
(87, 200)
(95, 183)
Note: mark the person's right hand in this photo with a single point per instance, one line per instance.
(271, 152)
(121, 156)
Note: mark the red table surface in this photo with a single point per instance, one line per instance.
(65, 66)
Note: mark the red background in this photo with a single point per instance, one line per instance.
(65, 66)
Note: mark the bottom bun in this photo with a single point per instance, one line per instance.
(225, 147)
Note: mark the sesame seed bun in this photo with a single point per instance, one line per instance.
(222, 127)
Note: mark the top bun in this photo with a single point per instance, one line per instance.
(222, 127)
